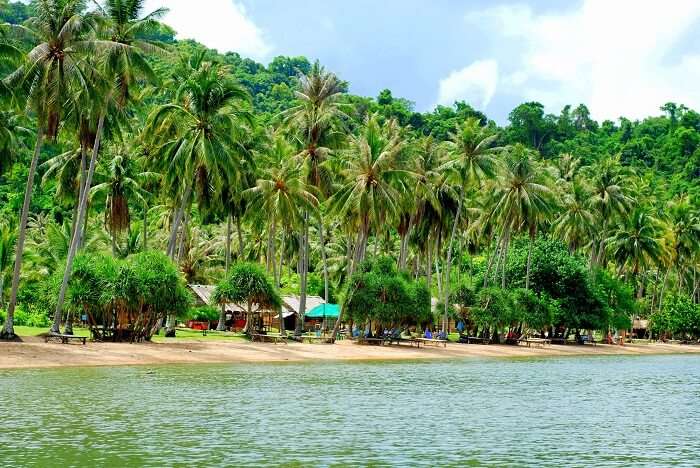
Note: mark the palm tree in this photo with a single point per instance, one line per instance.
(281, 193)
(522, 199)
(473, 159)
(122, 184)
(314, 123)
(123, 59)
(576, 221)
(125, 25)
(46, 77)
(374, 180)
(12, 135)
(426, 161)
(636, 244)
(609, 198)
(198, 133)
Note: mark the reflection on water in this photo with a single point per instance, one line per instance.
(555, 412)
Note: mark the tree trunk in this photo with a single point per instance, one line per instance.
(533, 233)
(172, 241)
(278, 278)
(83, 169)
(323, 258)
(76, 239)
(403, 254)
(448, 266)
(183, 237)
(493, 256)
(505, 258)
(145, 228)
(221, 326)
(429, 266)
(113, 236)
(601, 247)
(228, 243)
(8, 331)
(304, 269)
(2, 290)
(240, 238)
(363, 235)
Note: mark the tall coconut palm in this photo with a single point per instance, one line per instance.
(121, 52)
(49, 74)
(314, 123)
(125, 23)
(609, 198)
(200, 130)
(123, 184)
(282, 193)
(636, 244)
(576, 221)
(473, 159)
(374, 180)
(523, 198)
(197, 134)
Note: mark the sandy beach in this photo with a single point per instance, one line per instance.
(35, 353)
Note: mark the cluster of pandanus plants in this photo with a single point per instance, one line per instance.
(313, 187)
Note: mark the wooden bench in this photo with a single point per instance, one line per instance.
(270, 338)
(315, 339)
(398, 341)
(477, 339)
(433, 341)
(65, 338)
(370, 341)
(535, 341)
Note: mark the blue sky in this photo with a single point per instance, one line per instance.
(622, 57)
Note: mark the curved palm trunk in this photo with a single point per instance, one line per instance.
(304, 268)
(8, 331)
(360, 247)
(323, 258)
(240, 237)
(505, 258)
(448, 266)
(172, 241)
(533, 234)
(429, 265)
(228, 242)
(76, 238)
(493, 257)
(145, 228)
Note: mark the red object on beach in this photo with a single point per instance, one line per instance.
(198, 325)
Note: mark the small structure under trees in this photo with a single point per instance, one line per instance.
(248, 284)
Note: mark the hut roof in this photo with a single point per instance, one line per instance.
(291, 303)
(204, 293)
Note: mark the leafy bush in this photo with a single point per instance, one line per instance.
(203, 314)
(129, 297)
(378, 292)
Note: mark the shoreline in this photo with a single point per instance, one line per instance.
(34, 353)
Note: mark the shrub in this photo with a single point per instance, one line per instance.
(203, 314)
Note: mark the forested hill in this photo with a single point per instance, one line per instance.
(664, 149)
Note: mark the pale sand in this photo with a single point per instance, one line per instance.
(34, 353)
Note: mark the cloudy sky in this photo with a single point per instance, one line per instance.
(621, 57)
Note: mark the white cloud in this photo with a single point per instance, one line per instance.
(475, 83)
(219, 24)
(619, 57)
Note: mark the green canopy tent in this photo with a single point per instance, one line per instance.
(323, 312)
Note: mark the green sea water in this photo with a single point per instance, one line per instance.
(592, 411)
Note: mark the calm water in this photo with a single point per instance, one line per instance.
(631, 411)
